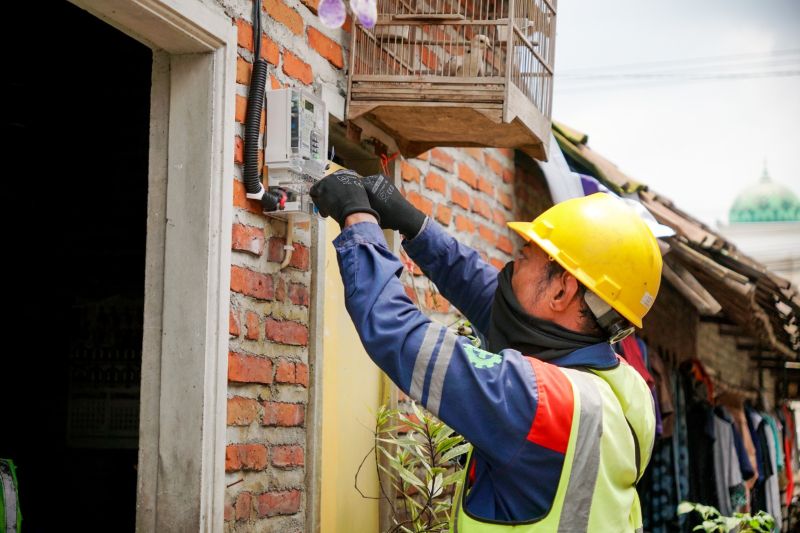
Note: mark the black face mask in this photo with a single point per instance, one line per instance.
(512, 327)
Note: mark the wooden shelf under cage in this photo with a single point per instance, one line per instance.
(422, 115)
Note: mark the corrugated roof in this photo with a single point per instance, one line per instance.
(704, 266)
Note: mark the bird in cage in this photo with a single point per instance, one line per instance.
(473, 62)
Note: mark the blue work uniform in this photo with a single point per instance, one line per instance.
(516, 411)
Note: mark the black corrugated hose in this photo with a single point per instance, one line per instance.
(270, 201)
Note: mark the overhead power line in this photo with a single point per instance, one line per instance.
(786, 62)
(729, 58)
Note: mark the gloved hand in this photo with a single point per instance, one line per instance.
(395, 211)
(341, 194)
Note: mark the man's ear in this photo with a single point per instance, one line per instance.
(566, 290)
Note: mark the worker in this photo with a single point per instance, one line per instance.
(561, 427)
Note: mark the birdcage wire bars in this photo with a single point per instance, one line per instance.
(455, 52)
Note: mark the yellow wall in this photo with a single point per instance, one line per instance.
(351, 391)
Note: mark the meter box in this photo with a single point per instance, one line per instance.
(295, 144)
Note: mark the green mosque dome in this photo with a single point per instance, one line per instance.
(765, 201)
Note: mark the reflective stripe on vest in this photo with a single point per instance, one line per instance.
(596, 490)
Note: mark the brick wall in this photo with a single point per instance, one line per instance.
(729, 366)
(671, 326)
(472, 193)
(268, 368)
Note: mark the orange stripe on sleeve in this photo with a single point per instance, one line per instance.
(553, 422)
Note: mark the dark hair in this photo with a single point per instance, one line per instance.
(554, 269)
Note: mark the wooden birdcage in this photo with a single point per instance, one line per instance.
(457, 73)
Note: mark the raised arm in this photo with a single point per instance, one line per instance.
(458, 271)
(491, 399)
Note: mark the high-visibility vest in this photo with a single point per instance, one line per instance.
(611, 439)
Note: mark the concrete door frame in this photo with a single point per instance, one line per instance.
(181, 471)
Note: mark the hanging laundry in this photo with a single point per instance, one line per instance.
(727, 473)
(789, 447)
(663, 393)
(700, 421)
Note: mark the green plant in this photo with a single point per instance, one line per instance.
(418, 457)
(713, 521)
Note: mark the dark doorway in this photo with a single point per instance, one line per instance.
(76, 121)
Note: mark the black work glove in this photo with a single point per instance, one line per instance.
(341, 194)
(395, 211)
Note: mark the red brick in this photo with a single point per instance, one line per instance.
(243, 70)
(270, 51)
(242, 411)
(300, 257)
(423, 156)
(284, 372)
(496, 167)
(485, 186)
(287, 456)
(444, 214)
(487, 234)
(500, 218)
(508, 176)
(285, 15)
(298, 294)
(289, 372)
(436, 302)
(475, 153)
(277, 503)
(228, 512)
(244, 506)
(251, 283)
(311, 5)
(296, 68)
(241, 109)
(480, 206)
(238, 150)
(505, 199)
(435, 182)
(467, 175)
(327, 48)
(420, 202)
(504, 244)
(286, 332)
(283, 414)
(248, 239)
(410, 293)
(244, 34)
(460, 198)
(232, 461)
(441, 159)
(249, 369)
(251, 321)
(301, 374)
(274, 83)
(464, 225)
(246, 457)
(428, 58)
(233, 323)
(498, 264)
(241, 200)
(408, 171)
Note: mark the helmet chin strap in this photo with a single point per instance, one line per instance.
(615, 325)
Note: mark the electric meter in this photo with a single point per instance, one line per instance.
(295, 144)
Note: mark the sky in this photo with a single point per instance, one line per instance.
(699, 142)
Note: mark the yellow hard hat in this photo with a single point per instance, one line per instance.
(606, 246)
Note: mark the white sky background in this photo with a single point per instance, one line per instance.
(698, 143)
